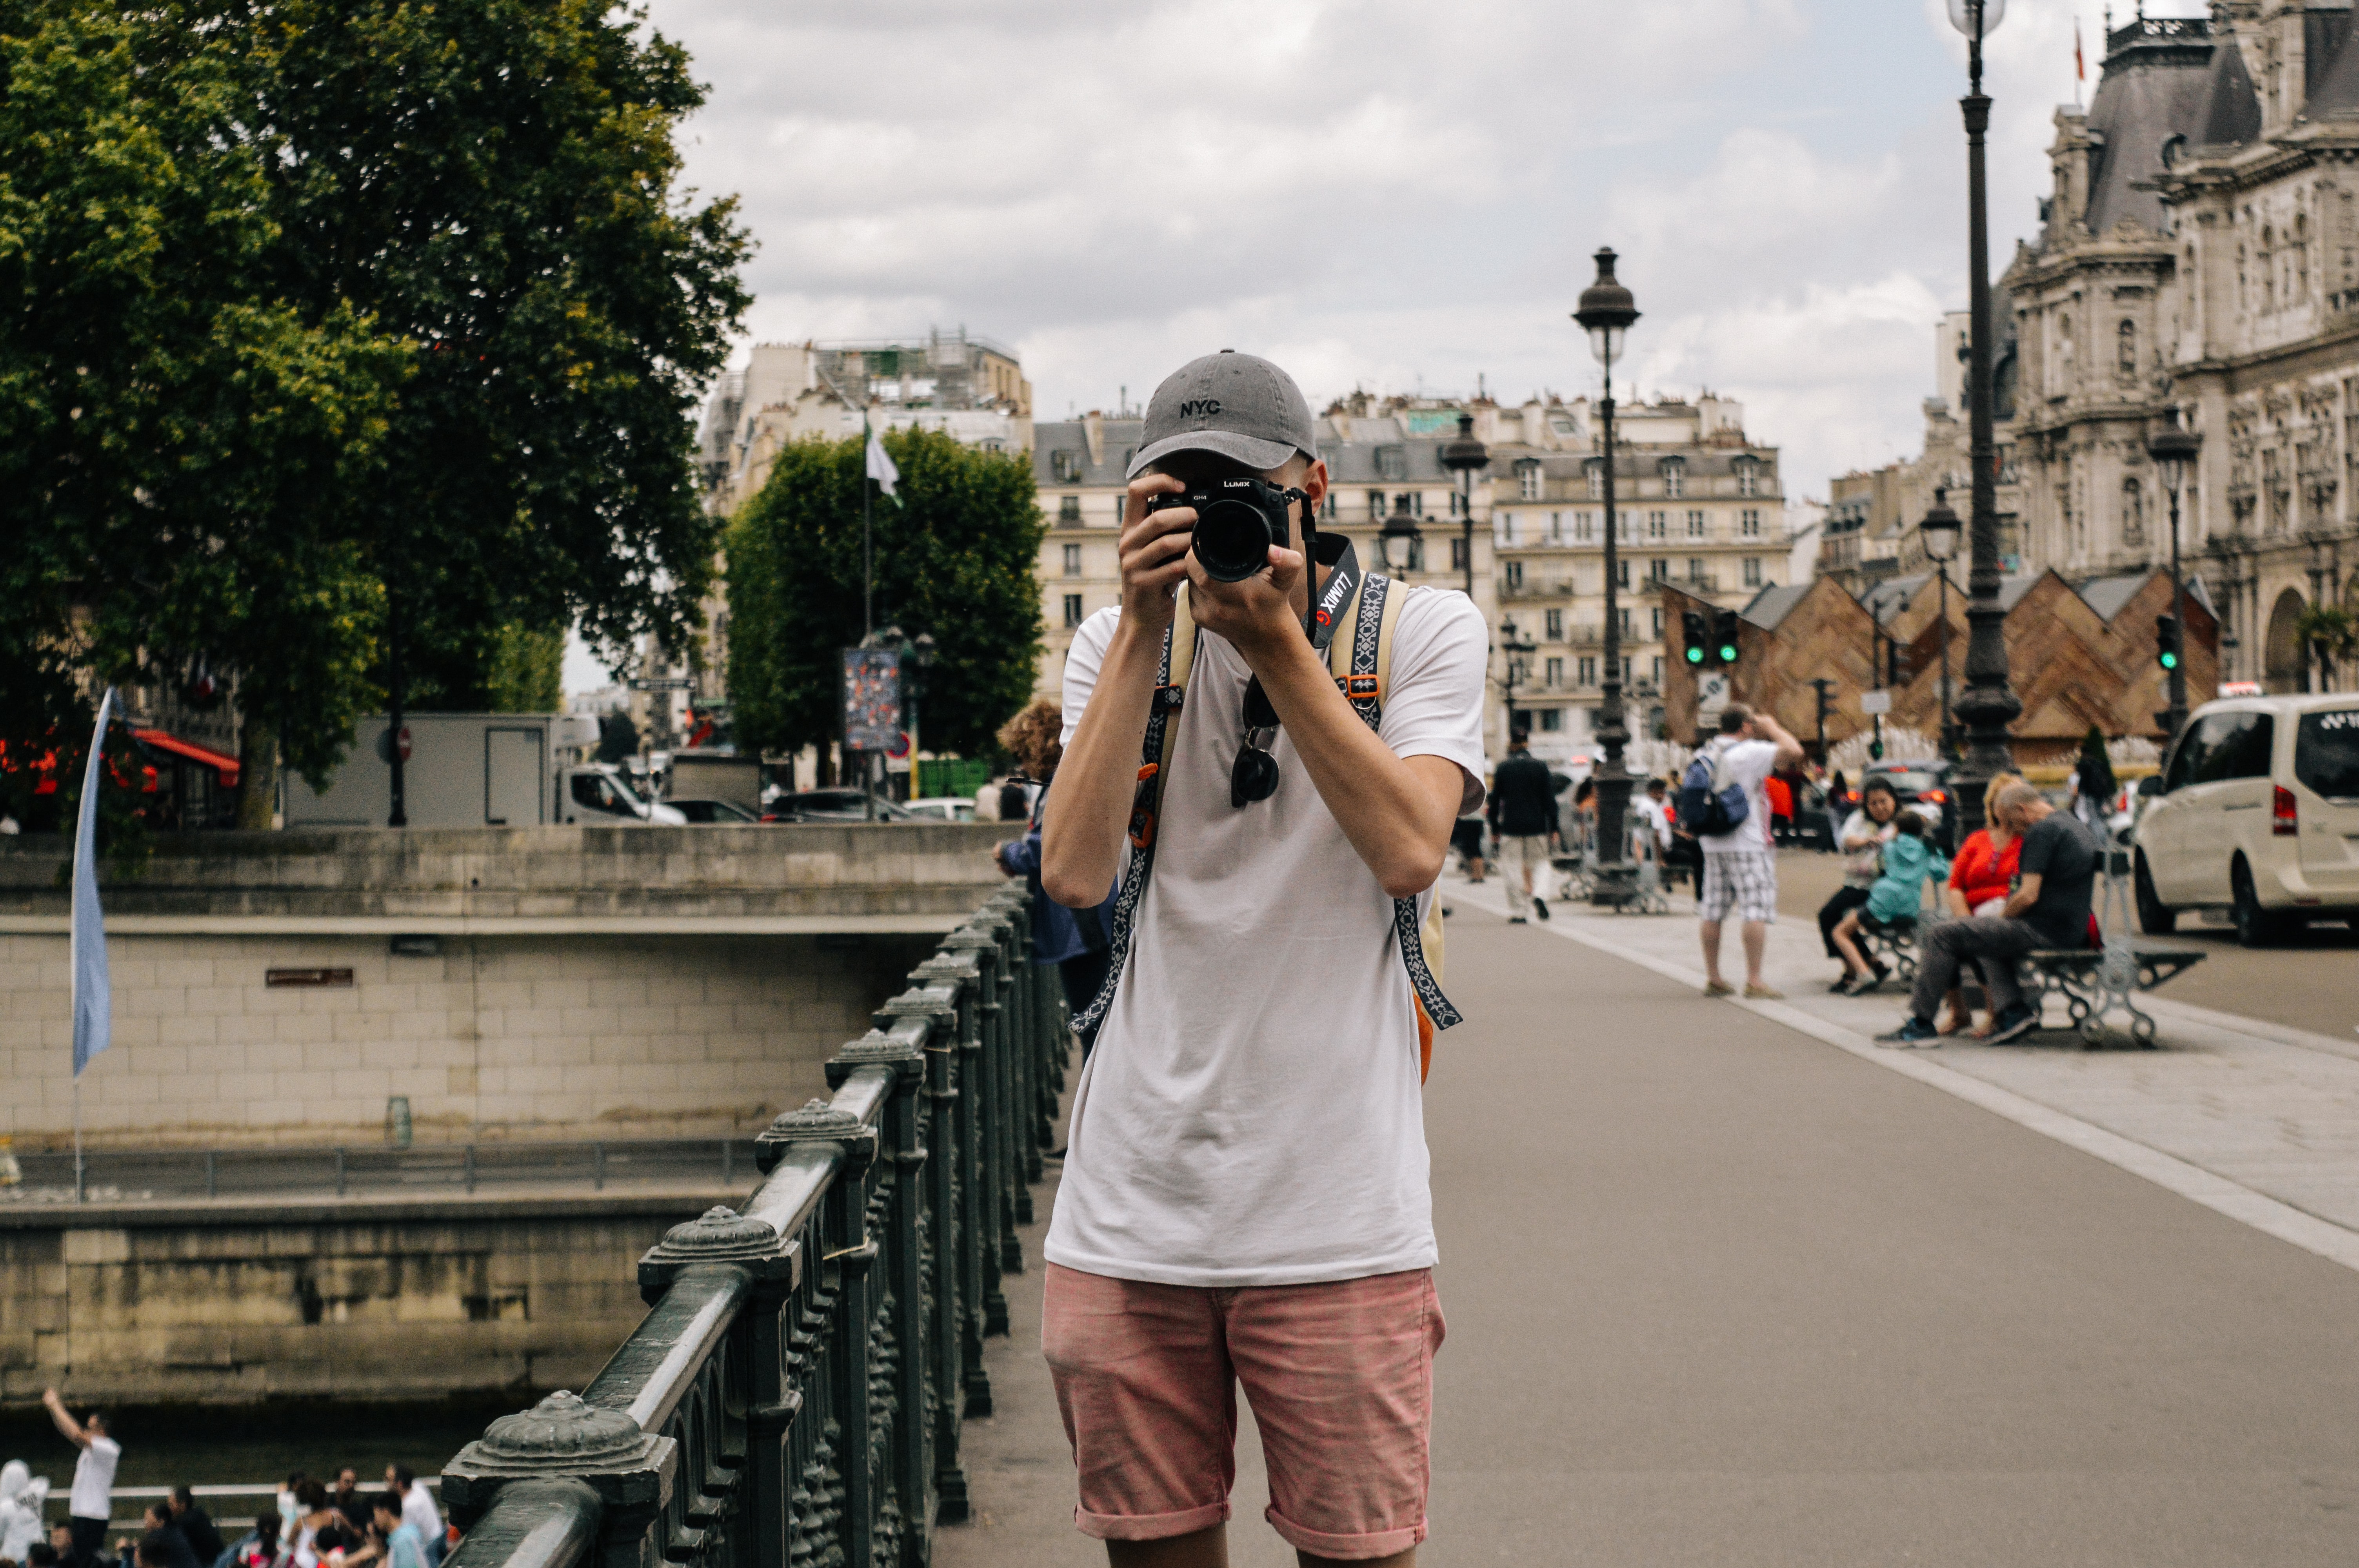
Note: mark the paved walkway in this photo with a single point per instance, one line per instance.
(1723, 1289)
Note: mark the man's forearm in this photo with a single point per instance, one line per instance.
(1394, 819)
(1089, 811)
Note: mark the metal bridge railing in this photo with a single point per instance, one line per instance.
(795, 1395)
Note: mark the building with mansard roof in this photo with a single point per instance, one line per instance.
(2199, 251)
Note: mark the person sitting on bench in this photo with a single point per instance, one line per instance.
(2049, 909)
(1893, 900)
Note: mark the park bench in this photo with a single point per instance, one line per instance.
(2097, 981)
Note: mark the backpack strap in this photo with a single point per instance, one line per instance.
(1146, 808)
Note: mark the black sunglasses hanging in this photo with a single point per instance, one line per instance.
(1255, 775)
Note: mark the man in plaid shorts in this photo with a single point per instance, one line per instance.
(1740, 868)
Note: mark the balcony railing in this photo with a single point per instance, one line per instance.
(796, 1392)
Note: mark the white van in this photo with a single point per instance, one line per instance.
(2257, 811)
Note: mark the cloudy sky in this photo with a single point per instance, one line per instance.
(1385, 194)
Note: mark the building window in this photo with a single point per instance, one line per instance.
(1584, 525)
(1410, 503)
(2133, 514)
(1695, 568)
(1392, 462)
(1376, 505)
(1622, 575)
(1515, 576)
(1659, 672)
(1587, 669)
(1695, 524)
(1069, 509)
(1458, 555)
(1595, 469)
(1065, 465)
(1675, 477)
(1551, 719)
(1657, 524)
(1753, 571)
(1629, 635)
(1073, 560)
(1556, 625)
(1528, 476)
(1503, 528)
(1072, 611)
(1658, 620)
(1748, 477)
(1556, 527)
(1416, 556)
(1748, 522)
(1658, 570)
(1556, 672)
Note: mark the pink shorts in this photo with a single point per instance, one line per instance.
(1340, 1374)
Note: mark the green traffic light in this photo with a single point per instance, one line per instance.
(1727, 652)
(2169, 660)
(1695, 656)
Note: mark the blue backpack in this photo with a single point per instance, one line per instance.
(1707, 807)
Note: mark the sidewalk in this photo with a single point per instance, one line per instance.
(2253, 1119)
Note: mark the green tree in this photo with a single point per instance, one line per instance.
(528, 674)
(327, 320)
(955, 553)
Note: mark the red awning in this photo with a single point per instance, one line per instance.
(225, 766)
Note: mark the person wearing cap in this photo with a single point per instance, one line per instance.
(1246, 1197)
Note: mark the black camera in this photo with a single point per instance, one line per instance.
(1237, 520)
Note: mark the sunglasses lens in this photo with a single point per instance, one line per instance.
(1254, 778)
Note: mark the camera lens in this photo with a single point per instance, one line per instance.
(1230, 540)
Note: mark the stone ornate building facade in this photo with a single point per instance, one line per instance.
(2199, 251)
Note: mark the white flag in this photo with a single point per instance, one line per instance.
(93, 1002)
(880, 463)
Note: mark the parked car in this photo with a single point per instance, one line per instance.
(2257, 811)
(834, 805)
(710, 813)
(943, 807)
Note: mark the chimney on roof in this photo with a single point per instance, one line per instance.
(1094, 430)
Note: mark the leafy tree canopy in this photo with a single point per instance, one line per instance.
(955, 553)
(325, 317)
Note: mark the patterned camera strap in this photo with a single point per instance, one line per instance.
(1362, 687)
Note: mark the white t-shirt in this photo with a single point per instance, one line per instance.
(1653, 815)
(1251, 1114)
(1750, 763)
(93, 1483)
(418, 1508)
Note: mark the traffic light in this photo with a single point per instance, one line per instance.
(1723, 640)
(1691, 627)
(2166, 642)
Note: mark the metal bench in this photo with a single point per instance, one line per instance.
(2096, 982)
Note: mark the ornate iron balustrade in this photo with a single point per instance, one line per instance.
(794, 1397)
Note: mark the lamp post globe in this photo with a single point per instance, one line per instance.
(2173, 449)
(1607, 311)
(1397, 545)
(1465, 458)
(1978, 19)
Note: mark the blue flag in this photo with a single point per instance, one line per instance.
(93, 1002)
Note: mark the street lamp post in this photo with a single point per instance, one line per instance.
(1940, 530)
(2173, 451)
(1466, 456)
(1518, 647)
(1987, 706)
(1397, 546)
(1607, 311)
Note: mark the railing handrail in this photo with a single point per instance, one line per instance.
(796, 1390)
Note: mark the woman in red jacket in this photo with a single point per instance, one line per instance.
(1981, 876)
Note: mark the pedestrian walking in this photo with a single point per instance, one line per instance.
(1075, 940)
(1467, 837)
(23, 1494)
(2093, 785)
(1740, 866)
(2049, 909)
(1244, 1198)
(418, 1506)
(90, 1502)
(1524, 821)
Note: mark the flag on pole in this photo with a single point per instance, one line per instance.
(880, 463)
(2080, 65)
(94, 1008)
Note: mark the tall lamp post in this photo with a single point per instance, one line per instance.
(2173, 451)
(1987, 706)
(1518, 647)
(1940, 530)
(1466, 456)
(1607, 311)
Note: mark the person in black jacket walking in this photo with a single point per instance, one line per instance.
(1524, 820)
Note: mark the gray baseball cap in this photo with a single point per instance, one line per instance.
(1236, 405)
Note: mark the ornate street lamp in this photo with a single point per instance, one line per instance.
(1518, 648)
(2173, 451)
(1397, 547)
(1940, 531)
(1466, 456)
(1987, 706)
(1607, 311)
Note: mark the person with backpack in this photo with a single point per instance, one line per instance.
(1273, 763)
(1725, 803)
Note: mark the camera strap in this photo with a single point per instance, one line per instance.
(1360, 666)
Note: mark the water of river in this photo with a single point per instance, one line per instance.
(209, 1445)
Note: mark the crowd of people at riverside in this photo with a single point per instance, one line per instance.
(314, 1524)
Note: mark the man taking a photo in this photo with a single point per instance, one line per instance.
(2048, 908)
(1524, 819)
(1740, 866)
(1245, 1197)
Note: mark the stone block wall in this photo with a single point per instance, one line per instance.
(535, 1036)
(376, 1302)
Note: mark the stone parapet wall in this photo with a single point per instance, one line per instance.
(377, 1301)
(588, 1036)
